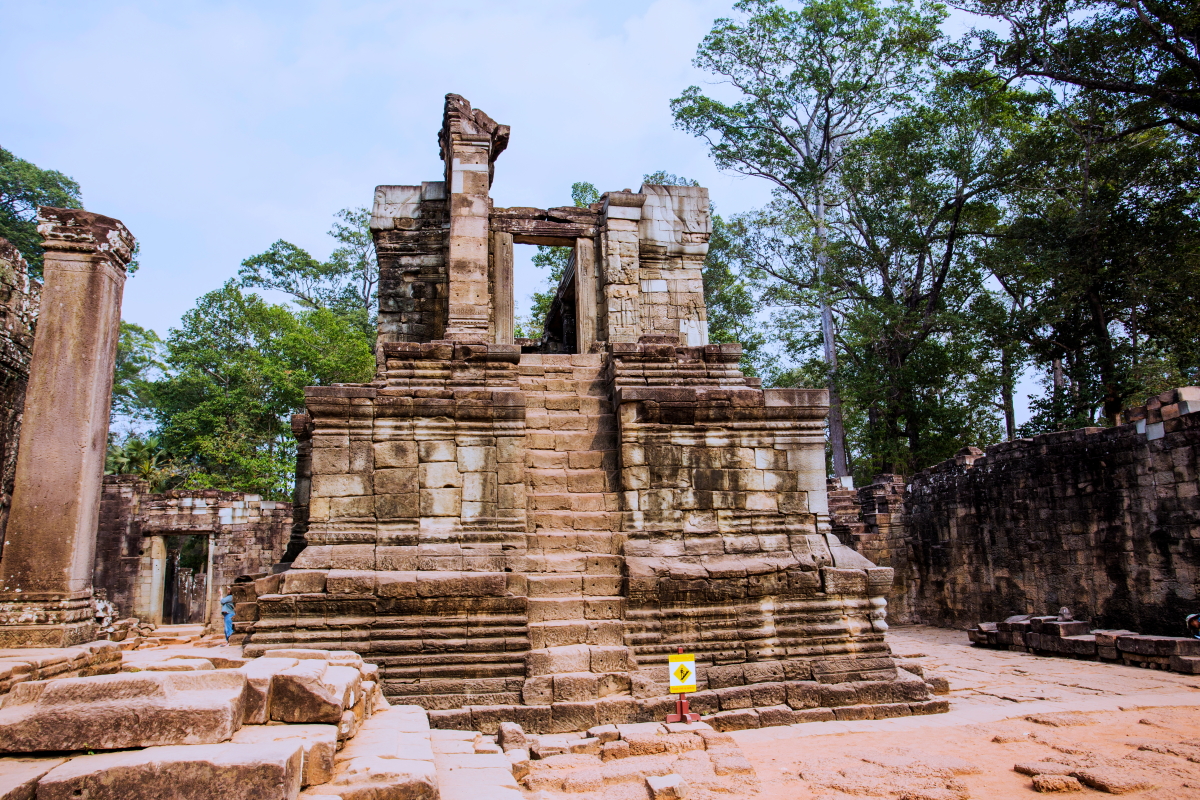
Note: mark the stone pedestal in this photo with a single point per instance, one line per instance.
(46, 570)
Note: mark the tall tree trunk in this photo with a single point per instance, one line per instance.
(1006, 393)
(837, 429)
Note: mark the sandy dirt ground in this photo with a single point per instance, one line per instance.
(1124, 729)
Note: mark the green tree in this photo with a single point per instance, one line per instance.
(920, 194)
(1101, 263)
(347, 283)
(24, 187)
(1139, 58)
(808, 81)
(138, 364)
(555, 260)
(236, 369)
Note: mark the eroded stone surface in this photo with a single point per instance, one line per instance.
(269, 770)
(108, 712)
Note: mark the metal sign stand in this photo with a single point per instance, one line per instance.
(682, 713)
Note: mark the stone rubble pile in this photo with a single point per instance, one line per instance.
(182, 728)
(667, 760)
(1053, 636)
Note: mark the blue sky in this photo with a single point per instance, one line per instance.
(214, 128)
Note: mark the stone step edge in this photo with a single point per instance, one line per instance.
(566, 717)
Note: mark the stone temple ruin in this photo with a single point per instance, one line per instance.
(525, 532)
(507, 538)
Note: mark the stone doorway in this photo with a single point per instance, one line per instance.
(177, 583)
(185, 579)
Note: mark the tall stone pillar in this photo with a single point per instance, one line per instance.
(471, 141)
(502, 282)
(46, 570)
(585, 294)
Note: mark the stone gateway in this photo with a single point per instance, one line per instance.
(525, 531)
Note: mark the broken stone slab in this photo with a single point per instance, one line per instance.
(170, 665)
(19, 776)
(373, 778)
(1108, 779)
(666, 787)
(260, 678)
(319, 742)
(1043, 768)
(265, 771)
(111, 712)
(314, 691)
(389, 734)
(1055, 784)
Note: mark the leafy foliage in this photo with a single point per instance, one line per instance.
(24, 187)
(138, 363)
(236, 370)
(347, 283)
(1138, 59)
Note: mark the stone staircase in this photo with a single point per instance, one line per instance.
(573, 554)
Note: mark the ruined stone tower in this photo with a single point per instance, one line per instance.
(524, 533)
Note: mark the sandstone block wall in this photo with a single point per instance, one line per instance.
(19, 300)
(1105, 521)
(246, 535)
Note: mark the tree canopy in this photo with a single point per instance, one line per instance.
(24, 187)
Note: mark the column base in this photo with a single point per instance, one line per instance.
(62, 623)
(69, 635)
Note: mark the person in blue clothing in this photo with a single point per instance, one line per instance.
(227, 613)
(1193, 625)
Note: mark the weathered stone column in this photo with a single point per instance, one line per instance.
(46, 570)
(502, 282)
(585, 294)
(471, 141)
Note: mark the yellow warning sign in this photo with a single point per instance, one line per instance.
(683, 672)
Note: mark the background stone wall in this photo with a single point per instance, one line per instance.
(1103, 520)
(247, 536)
(19, 299)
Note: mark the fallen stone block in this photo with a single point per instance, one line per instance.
(1032, 768)
(520, 762)
(588, 746)
(1164, 646)
(19, 776)
(731, 763)
(740, 720)
(319, 743)
(1056, 784)
(170, 665)
(260, 678)
(372, 778)
(615, 749)
(667, 787)
(266, 771)
(303, 693)
(1061, 628)
(389, 734)
(512, 737)
(1188, 665)
(1108, 779)
(111, 712)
